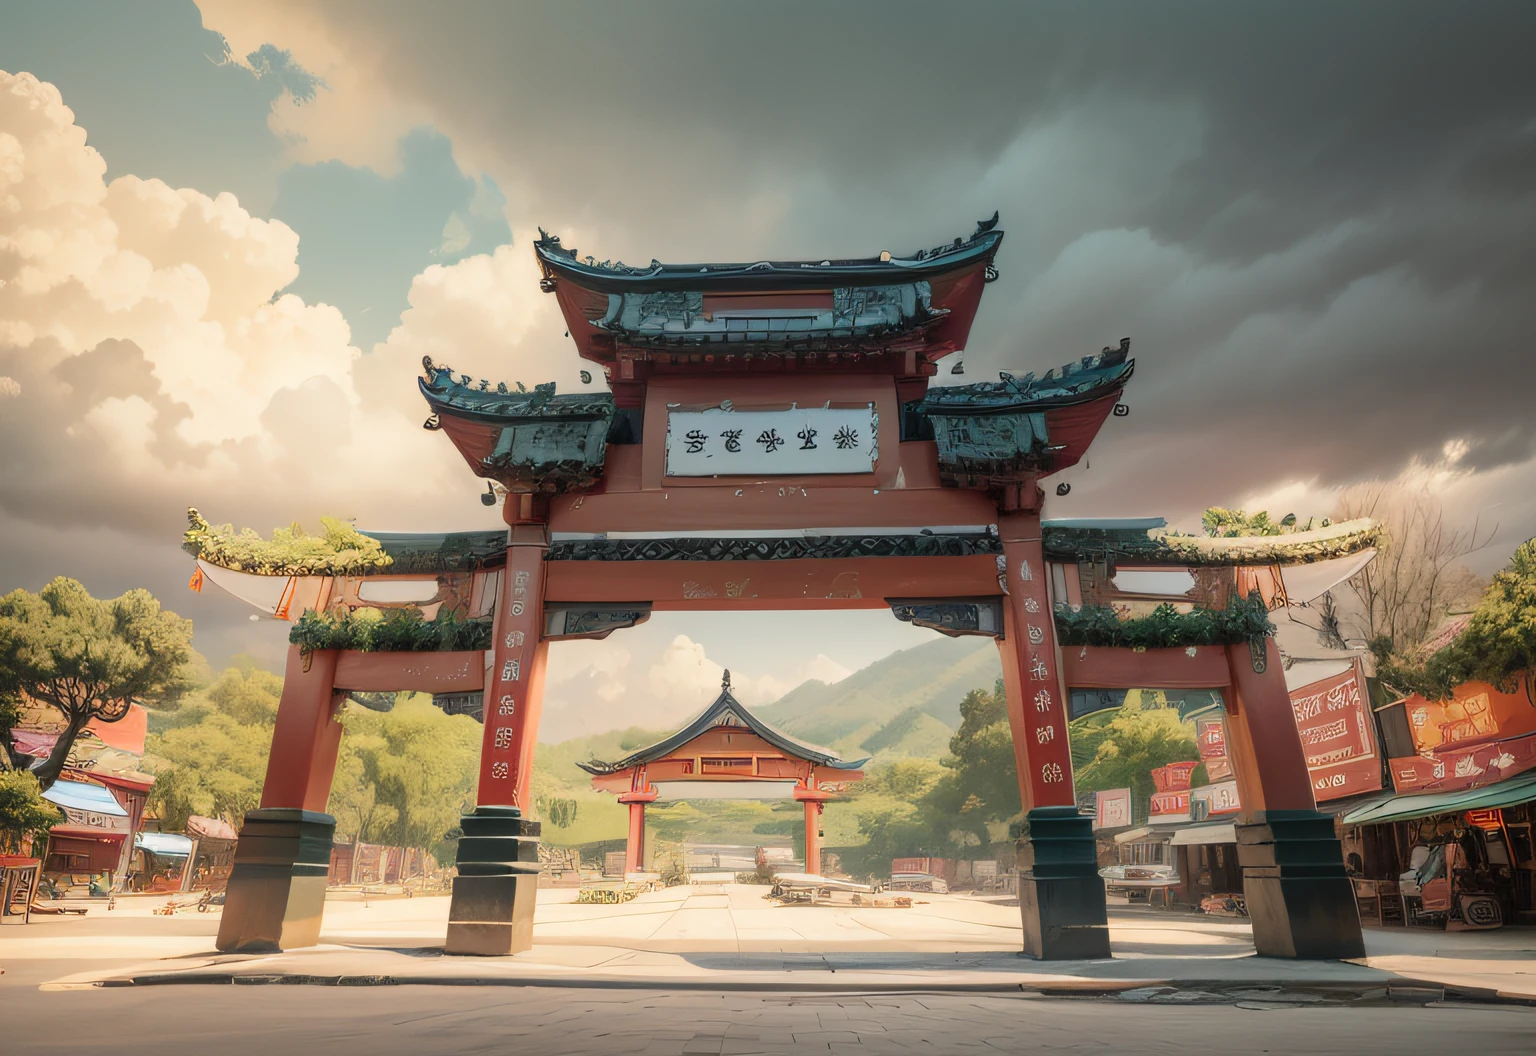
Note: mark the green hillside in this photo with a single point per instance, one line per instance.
(930, 678)
(914, 733)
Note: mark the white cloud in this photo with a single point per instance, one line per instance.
(356, 118)
(600, 685)
(149, 325)
(483, 316)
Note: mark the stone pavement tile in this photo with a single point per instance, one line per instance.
(743, 1047)
(866, 1026)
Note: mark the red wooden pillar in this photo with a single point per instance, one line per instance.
(1268, 760)
(1298, 894)
(498, 855)
(813, 837)
(1061, 896)
(514, 689)
(306, 737)
(1037, 706)
(276, 890)
(634, 846)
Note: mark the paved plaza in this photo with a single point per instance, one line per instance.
(718, 970)
(426, 1021)
(729, 937)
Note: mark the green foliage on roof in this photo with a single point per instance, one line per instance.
(339, 549)
(1166, 627)
(397, 631)
(1498, 643)
(1222, 523)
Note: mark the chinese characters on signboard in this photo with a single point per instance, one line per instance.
(1112, 809)
(1211, 742)
(1332, 719)
(807, 440)
(1480, 736)
(1220, 798)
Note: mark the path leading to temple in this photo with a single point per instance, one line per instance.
(729, 937)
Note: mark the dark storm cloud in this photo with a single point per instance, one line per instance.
(1317, 221)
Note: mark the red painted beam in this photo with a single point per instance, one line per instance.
(421, 672)
(810, 583)
(1099, 667)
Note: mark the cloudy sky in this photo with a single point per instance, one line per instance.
(229, 231)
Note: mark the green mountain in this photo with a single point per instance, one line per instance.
(927, 680)
(913, 733)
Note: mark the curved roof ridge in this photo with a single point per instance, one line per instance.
(725, 703)
(1337, 539)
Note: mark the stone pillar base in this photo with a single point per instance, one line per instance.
(491, 914)
(276, 891)
(1061, 895)
(1299, 897)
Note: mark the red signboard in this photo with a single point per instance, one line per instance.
(1174, 777)
(1459, 768)
(1479, 737)
(1211, 741)
(1335, 726)
(1170, 804)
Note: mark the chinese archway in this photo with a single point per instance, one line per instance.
(770, 440)
(727, 752)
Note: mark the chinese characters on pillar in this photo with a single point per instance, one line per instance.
(1044, 703)
(502, 755)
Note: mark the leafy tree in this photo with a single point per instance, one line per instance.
(1129, 746)
(10, 715)
(25, 816)
(212, 760)
(905, 779)
(423, 765)
(982, 784)
(893, 829)
(402, 777)
(89, 658)
(1498, 643)
(360, 814)
(559, 811)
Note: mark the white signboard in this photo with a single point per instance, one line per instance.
(1113, 808)
(89, 819)
(1219, 798)
(721, 443)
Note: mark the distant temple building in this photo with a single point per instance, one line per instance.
(726, 753)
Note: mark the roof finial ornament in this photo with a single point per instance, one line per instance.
(725, 680)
